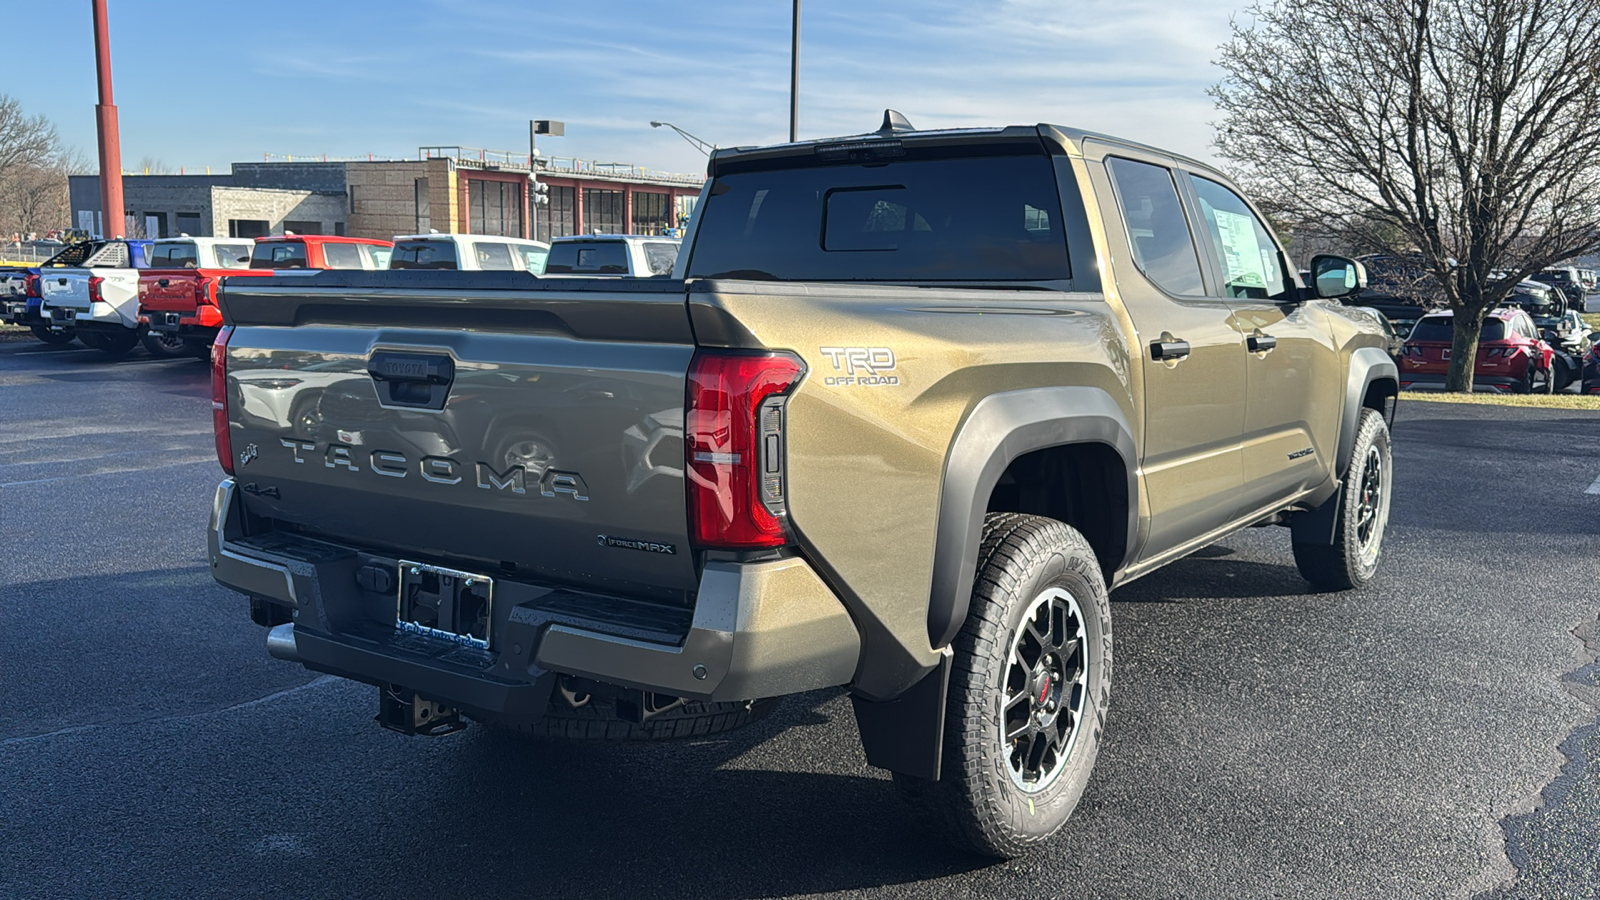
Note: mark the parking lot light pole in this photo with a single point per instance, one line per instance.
(538, 192)
(105, 113)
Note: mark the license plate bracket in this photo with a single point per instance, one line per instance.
(448, 604)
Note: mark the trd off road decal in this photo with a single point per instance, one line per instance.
(860, 366)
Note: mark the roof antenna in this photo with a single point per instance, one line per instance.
(894, 123)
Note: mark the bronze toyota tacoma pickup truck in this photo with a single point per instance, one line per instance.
(911, 403)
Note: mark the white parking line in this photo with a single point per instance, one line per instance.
(1594, 488)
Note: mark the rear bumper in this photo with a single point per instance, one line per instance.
(15, 312)
(1428, 380)
(757, 630)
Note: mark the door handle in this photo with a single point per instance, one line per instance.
(1261, 343)
(1173, 349)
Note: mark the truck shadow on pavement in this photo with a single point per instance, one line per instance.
(714, 818)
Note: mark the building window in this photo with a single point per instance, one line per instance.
(153, 225)
(602, 211)
(338, 229)
(352, 191)
(247, 228)
(302, 226)
(494, 207)
(652, 212)
(558, 218)
(189, 223)
(424, 220)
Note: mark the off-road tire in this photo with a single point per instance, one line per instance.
(597, 721)
(1352, 559)
(163, 345)
(53, 338)
(977, 803)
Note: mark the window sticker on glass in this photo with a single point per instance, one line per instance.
(1240, 251)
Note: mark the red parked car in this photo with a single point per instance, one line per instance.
(178, 298)
(1511, 356)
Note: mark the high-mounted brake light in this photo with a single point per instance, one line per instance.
(219, 398)
(734, 441)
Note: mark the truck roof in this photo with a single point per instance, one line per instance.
(896, 128)
(320, 239)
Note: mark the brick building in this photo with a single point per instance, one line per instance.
(448, 189)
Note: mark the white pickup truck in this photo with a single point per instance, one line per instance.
(99, 301)
(612, 254)
(468, 253)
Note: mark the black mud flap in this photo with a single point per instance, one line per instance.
(1318, 526)
(906, 734)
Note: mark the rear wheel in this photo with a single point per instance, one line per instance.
(1028, 691)
(165, 345)
(1550, 376)
(1362, 516)
(53, 338)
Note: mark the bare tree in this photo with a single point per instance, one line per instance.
(1464, 133)
(25, 142)
(149, 165)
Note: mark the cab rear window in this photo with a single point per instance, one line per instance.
(983, 218)
(279, 255)
(424, 255)
(1442, 328)
(174, 256)
(587, 258)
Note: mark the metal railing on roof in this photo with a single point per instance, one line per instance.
(477, 157)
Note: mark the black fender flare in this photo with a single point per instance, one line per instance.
(1368, 365)
(1000, 428)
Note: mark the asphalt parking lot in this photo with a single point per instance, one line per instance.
(1434, 735)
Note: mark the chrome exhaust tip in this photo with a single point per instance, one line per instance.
(280, 643)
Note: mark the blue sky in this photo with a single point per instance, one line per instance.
(206, 83)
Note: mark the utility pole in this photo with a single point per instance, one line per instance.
(794, 76)
(111, 208)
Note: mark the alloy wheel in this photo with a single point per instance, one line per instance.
(1045, 691)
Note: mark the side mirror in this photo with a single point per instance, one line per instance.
(1333, 277)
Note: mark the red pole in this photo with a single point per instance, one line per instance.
(111, 208)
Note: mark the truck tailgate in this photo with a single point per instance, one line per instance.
(500, 423)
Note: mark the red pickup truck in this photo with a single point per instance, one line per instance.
(178, 295)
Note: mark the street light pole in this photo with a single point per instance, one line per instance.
(794, 76)
(112, 223)
(705, 147)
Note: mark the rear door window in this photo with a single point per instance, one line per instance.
(279, 255)
(377, 256)
(233, 256)
(661, 257)
(492, 256)
(588, 258)
(533, 258)
(964, 218)
(1246, 253)
(1163, 245)
(423, 255)
(342, 256)
(183, 255)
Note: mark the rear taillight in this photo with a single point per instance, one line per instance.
(734, 441)
(31, 285)
(202, 292)
(219, 398)
(94, 289)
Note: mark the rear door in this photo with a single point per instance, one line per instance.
(517, 438)
(1291, 417)
(1191, 355)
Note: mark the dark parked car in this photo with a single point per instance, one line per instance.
(1591, 366)
(1511, 356)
